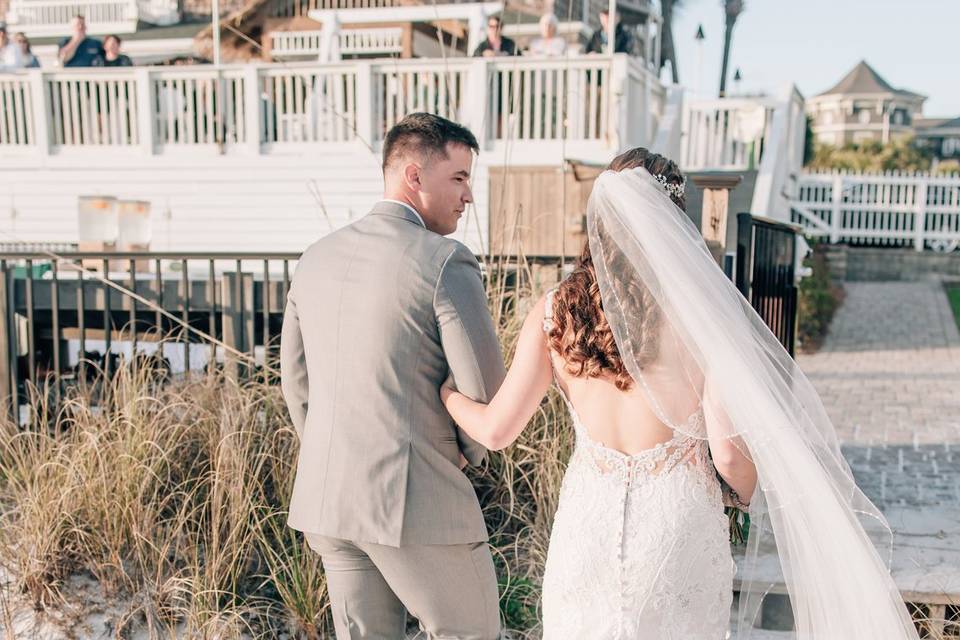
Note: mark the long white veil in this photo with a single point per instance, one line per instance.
(687, 336)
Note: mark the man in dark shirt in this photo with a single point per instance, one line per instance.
(622, 39)
(111, 54)
(78, 50)
(496, 44)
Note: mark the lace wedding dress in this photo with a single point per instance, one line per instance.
(640, 543)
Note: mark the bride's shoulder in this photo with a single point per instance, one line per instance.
(536, 309)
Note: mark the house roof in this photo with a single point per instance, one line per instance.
(864, 79)
(930, 125)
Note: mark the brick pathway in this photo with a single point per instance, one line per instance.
(889, 371)
(889, 376)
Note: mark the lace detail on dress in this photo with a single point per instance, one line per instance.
(639, 547)
(661, 458)
(658, 459)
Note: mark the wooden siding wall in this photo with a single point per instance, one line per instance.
(539, 210)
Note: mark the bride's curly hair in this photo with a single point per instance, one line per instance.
(580, 334)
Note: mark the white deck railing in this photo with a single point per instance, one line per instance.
(782, 158)
(289, 8)
(533, 106)
(741, 134)
(727, 133)
(892, 208)
(383, 42)
(38, 18)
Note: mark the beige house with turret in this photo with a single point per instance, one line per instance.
(863, 107)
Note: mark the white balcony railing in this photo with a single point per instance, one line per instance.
(385, 41)
(290, 8)
(783, 156)
(590, 105)
(38, 18)
(382, 42)
(727, 133)
(765, 134)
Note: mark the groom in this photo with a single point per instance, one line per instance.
(378, 314)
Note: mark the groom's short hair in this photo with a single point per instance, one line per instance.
(424, 135)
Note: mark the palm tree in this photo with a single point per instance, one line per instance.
(668, 50)
(733, 9)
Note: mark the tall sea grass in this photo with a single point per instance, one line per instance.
(171, 494)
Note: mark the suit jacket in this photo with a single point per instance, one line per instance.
(378, 314)
(622, 40)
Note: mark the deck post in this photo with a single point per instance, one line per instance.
(237, 311)
(6, 329)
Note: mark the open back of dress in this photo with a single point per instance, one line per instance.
(640, 544)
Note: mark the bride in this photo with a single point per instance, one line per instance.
(678, 393)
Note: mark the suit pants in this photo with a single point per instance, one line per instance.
(450, 589)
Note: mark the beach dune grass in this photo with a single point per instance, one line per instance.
(172, 496)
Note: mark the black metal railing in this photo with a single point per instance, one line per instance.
(63, 313)
(766, 273)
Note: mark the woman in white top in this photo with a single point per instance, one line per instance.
(550, 44)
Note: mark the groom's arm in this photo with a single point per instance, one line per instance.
(293, 366)
(468, 337)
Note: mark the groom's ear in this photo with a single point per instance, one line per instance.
(411, 175)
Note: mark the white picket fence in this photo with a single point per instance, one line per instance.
(892, 208)
(589, 106)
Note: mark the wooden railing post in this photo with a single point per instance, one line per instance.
(40, 118)
(252, 109)
(367, 114)
(716, 190)
(474, 114)
(145, 110)
(618, 101)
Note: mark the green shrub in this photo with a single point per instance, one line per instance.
(819, 299)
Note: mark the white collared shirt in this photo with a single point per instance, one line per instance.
(415, 212)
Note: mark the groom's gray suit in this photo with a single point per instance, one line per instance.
(378, 313)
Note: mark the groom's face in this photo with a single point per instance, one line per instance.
(445, 188)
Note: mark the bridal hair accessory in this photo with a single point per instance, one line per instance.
(675, 190)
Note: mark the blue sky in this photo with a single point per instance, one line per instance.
(911, 43)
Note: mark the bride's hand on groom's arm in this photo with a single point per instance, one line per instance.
(497, 424)
(447, 389)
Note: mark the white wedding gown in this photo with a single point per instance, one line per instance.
(640, 543)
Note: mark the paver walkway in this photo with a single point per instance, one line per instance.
(889, 376)
(889, 370)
